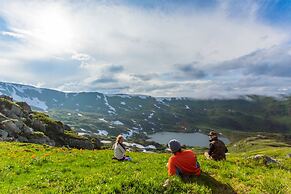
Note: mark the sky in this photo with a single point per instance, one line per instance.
(167, 48)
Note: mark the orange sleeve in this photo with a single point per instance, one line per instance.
(171, 167)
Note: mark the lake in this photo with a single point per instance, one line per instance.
(190, 139)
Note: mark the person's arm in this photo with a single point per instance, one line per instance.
(211, 149)
(171, 167)
(226, 150)
(122, 150)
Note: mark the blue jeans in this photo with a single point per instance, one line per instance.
(181, 174)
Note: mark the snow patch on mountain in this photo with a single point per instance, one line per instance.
(128, 134)
(22, 88)
(117, 123)
(103, 120)
(143, 97)
(123, 103)
(35, 102)
(102, 132)
(157, 106)
(151, 115)
(111, 108)
(119, 95)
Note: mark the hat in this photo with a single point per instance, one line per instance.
(212, 133)
(174, 145)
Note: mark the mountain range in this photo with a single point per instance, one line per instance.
(140, 115)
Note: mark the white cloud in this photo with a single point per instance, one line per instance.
(142, 41)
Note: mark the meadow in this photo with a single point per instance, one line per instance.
(32, 168)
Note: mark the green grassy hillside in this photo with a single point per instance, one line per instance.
(31, 168)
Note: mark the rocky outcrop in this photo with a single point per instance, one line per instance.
(19, 123)
(265, 159)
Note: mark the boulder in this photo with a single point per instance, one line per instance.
(96, 143)
(25, 107)
(22, 139)
(16, 110)
(10, 127)
(27, 130)
(79, 143)
(41, 138)
(266, 159)
(6, 97)
(3, 134)
(37, 125)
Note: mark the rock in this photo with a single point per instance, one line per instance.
(3, 134)
(38, 125)
(2, 117)
(288, 155)
(266, 159)
(22, 139)
(79, 143)
(6, 97)
(96, 143)
(10, 127)
(25, 107)
(27, 130)
(19, 124)
(41, 138)
(16, 110)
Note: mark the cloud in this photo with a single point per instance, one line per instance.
(115, 69)
(105, 80)
(221, 48)
(274, 61)
(145, 77)
(190, 71)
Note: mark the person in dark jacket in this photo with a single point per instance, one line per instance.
(217, 148)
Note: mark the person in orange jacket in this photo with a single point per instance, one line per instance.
(182, 162)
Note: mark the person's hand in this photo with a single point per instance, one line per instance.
(167, 183)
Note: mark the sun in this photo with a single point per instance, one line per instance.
(53, 28)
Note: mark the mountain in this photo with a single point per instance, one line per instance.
(139, 115)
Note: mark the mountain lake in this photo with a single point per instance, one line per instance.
(190, 139)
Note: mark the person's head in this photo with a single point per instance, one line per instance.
(212, 134)
(174, 146)
(119, 139)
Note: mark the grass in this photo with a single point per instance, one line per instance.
(31, 168)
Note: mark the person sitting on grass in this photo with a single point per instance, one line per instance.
(119, 150)
(183, 162)
(217, 148)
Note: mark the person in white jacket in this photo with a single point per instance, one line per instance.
(119, 149)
